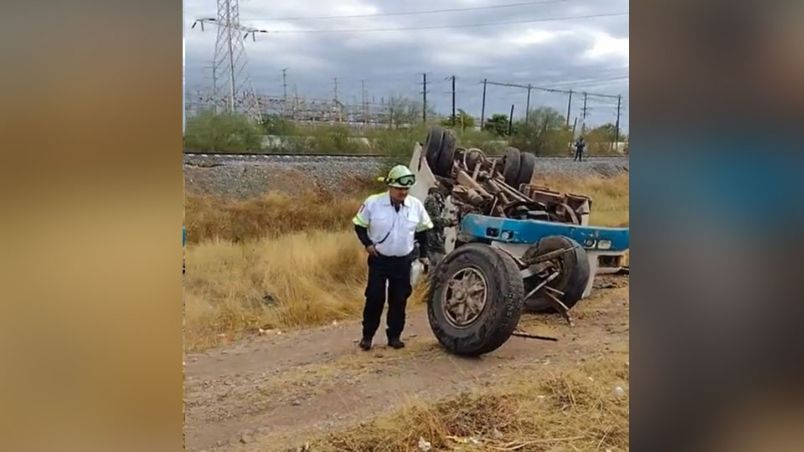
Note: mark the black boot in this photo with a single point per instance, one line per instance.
(365, 343)
(395, 343)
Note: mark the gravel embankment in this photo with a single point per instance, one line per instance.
(242, 177)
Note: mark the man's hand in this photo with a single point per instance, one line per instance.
(371, 250)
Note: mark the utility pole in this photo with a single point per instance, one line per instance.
(295, 100)
(229, 73)
(569, 108)
(583, 115)
(511, 121)
(368, 107)
(335, 79)
(391, 117)
(285, 85)
(363, 100)
(617, 125)
(483, 106)
(453, 100)
(231, 56)
(424, 98)
(527, 105)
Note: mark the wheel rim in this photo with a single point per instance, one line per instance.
(465, 297)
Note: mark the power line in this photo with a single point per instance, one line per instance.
(438, 27)
(551, 90)
(516, 85)
(588, 82)
(414, 13)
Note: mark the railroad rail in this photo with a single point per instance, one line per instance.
(304, 154)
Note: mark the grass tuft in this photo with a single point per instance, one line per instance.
(570, 410)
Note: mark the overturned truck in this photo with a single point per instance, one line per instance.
(517, 245)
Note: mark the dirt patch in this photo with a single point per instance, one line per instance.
(274, 391)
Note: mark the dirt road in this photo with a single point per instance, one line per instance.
(276, 391)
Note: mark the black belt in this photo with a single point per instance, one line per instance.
(407, 256)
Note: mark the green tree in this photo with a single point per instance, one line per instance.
(601, 138)
(497, 124)
(462, 119)
(226, 132)
(544, 132)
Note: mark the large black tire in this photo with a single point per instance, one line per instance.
(432, 146)
(527, 163)
(500, 315)
(574, 267)
(446, 157)
(511, 161)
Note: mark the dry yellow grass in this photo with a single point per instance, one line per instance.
(250, 272)
(571, 410)
(304, 279)
(609, 195)
(273, 215)
(300, 279)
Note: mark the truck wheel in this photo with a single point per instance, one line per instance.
(475, 300)
(510, 170)
(432, 146)
(574, 268)
(527, 163)
(446, 156)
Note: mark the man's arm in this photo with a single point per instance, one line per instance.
(362, 234)
(421, 231)
(361, 222)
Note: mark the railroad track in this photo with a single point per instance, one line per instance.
(258, 155)
(275, 155)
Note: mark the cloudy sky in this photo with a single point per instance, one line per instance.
(568, 44)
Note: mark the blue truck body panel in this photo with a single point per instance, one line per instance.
(512, 231)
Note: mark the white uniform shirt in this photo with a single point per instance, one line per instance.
(394, 229)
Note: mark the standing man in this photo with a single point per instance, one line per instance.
(387, 225)
(579, 147)
(435, 204)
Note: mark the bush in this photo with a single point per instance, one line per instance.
(481, 139)
(226, 132)
(497, 124)
(545, 133)
(397, 144)
(600, 140)
(335, 139)
(276, 125)
(463, 121)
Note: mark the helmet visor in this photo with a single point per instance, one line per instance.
(403, 181)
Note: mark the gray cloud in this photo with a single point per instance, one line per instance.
(583, 54)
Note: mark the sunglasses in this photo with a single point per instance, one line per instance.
(405, 181)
